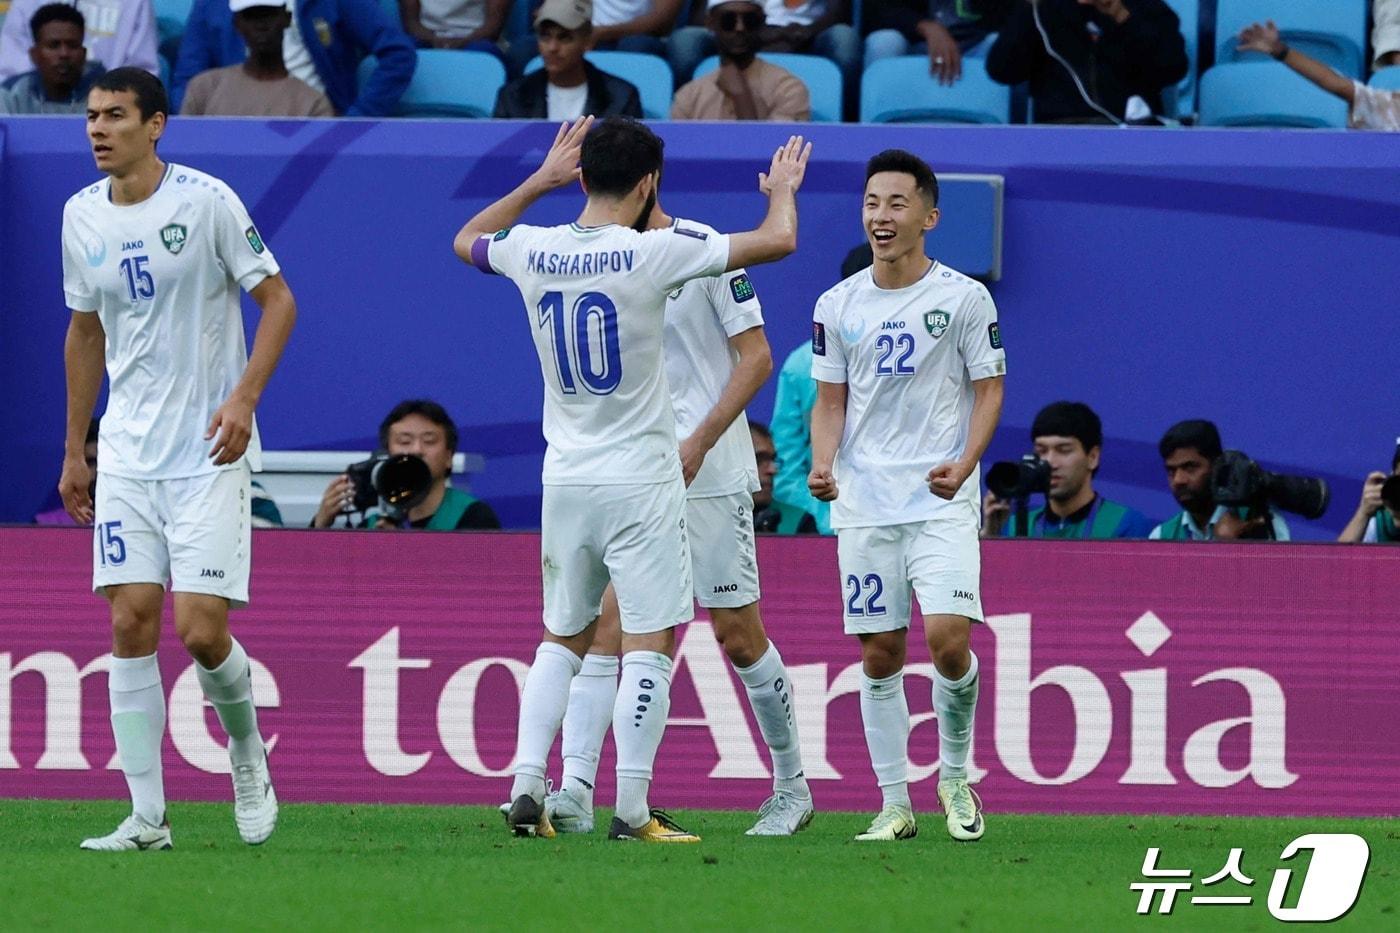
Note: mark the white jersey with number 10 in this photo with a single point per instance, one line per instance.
(596, 300)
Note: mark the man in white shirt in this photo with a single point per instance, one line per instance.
(614, 499)
(717, 358)
(117, 33)
(909, 366)
(154, 256)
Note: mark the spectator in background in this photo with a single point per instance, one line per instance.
(61, 77)
(1069, 437)
(261, 86)
(324, 48)
(622, 25)
(116, 33)
(1377, 519)
(743, 87)
(568, 86)
(470, 25)
(769, 514)
(814, 27)
(1369, 108)
(1385, 33)
(945, 30)
(1189, 450)
(1119, 49)
(424, 429)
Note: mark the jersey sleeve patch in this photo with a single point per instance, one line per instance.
(818, 338)
(994, 335)
(741, 288)
(501, 234)
(700, 235)
(481, 253)
(255, 241)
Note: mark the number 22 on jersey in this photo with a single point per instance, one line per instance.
(584, 341)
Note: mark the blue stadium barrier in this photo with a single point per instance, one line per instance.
(447, 83)
(901, 90)
(651, 75)
(1266, 94)
(1332, 31)
(1387, 79)
(822, 77)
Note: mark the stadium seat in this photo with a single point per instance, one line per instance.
(1266, 94)
(1180, 101)
(650, 74)
(901, 90)
(822, 77)
(171, 16)
(448, 83)
(1387, 79)
(1332, 31)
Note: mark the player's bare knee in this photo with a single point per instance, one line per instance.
(135, 630)
(740, 634)
(882, 654)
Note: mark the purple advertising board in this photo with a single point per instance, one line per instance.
(1135, 677)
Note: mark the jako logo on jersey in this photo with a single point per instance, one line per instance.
(818, 338)
(727, 588)
(216, 574)
(936, 323)
(963, 594)
(133, 244)
(174, 237)
(254, 240)
(741, 288)
(892, 325)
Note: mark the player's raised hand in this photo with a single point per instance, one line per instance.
(73, 485)
(822, 485)
(788, 168)
(233, 423)
(560, 165)
(946, 479)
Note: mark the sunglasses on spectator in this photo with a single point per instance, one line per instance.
(729, 20)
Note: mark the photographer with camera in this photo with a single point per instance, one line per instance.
(405, 483)
(1067, 438)
(1377, 518)
(1225, 495)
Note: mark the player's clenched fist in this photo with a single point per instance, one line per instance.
(822, 485)
(946, 479)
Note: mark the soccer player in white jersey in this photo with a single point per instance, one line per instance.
(154, 256)
(909, 369)
(614, 498)
(717, 358)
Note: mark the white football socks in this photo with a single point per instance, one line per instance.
(542, 705)
(956, 704)
(770, 697)
(592, 696)
(885, 712)
(230, 688)
(138, 723)
(639, 721)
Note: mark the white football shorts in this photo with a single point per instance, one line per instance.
(190, 535)
(722, 554)
(939, 560)
(634, 536)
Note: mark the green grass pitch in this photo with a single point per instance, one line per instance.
(339, 867)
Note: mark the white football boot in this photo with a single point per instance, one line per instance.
(254, 801)
(133, 835)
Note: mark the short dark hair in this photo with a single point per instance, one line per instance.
(56, 13)
(761, 428)
(150, 94)
(1069, 419)
(1395, 460)
(1196, 433)
(419, 406)
(618, 153)
(900, 160)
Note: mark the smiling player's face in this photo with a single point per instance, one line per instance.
(896, 215)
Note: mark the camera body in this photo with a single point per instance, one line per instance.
(1019, 479)
(1390, 494)
(1238, 481)
(394, 482)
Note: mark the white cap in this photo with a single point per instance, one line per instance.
(712, 4)
(239, 6)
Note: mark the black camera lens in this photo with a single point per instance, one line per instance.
(1390, 494)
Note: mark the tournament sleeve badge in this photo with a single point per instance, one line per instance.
(500, 234)
(994, 335)
(741, 288)
(254, 240)
(818, 338)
